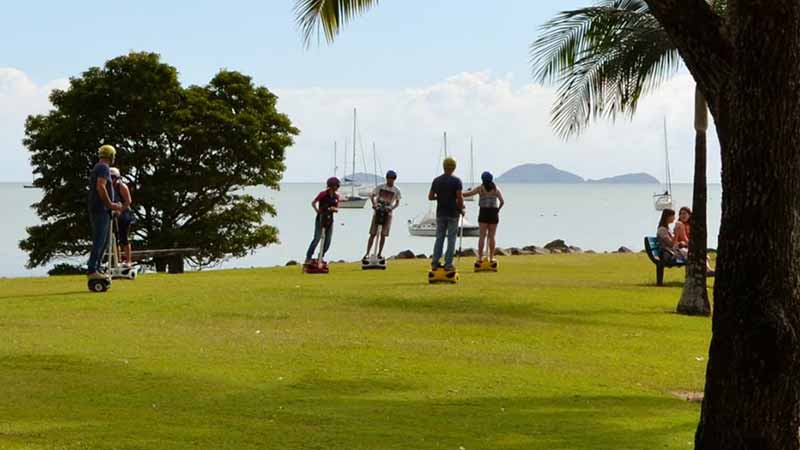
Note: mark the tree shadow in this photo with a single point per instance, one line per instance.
(57, 401)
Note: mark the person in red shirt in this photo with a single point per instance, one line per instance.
(325, 204)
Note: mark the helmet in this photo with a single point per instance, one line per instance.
(333, 182)
(391, 174)
(487, 177)
(114, 172)
(107, 152)
(449, 163)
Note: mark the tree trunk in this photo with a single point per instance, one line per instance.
(694, 298)
(752, 393)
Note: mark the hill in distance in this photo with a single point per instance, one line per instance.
(547, 173)
(363, 177)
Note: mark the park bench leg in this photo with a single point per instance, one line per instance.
(659, 275)
(176, 264)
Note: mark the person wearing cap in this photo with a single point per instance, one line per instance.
(490, 202)
(125, 218)
(385, 196)
(325, 204)
(446, 190)
(101, 203)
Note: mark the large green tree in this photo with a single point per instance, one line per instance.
(188, 155)
(745, 65)
(605, 58)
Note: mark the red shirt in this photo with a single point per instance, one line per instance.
(326, 200)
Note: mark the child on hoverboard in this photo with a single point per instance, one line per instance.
(490, 202)
(385, 199)
(325, 205)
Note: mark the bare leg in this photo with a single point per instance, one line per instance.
(383, 242)
(482, 240)
(369, 245)
(128, 259)
(492, 232)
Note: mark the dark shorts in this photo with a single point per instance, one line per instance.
(489, 215)
(123, 230)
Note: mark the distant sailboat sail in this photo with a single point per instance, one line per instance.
(664, 201)
(353, 201)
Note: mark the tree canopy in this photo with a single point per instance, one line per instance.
(188, 155)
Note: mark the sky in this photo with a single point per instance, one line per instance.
(412, 68)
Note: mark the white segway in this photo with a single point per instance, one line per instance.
(117, 270)
(373, 261)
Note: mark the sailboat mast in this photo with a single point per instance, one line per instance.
(354, 152)
(666, 157)
(445, 144)
(335, 161)
(375, 164)
(471, 165)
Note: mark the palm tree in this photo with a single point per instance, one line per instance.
(604, 59)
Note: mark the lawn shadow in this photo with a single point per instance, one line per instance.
(71, 399)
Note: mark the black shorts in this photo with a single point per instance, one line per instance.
(489, 215)
(123, 230)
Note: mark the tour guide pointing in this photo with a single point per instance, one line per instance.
(446, 190)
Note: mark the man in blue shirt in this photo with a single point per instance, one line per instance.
(446, 190)
(101, 203)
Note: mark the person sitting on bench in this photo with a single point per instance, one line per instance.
(671, 251)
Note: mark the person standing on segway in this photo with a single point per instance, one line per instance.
(325, 204)
(125, 218)
(446, 189)
(385, 199)
(101, 203)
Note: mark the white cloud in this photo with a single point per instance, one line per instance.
(20, 96)
(510, 126)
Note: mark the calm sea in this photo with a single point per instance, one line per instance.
(591, 216)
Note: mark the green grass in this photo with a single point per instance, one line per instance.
(553, 352)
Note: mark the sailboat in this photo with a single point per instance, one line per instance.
(664, 201)
(471, 173)
(353, 201)
(426, 225)
(366, 191)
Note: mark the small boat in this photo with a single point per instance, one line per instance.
(664, 201)
(352, 201)
(426, 227)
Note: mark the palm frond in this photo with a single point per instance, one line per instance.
(328, 15)
(604, 59)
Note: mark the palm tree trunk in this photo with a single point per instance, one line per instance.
(694, 298)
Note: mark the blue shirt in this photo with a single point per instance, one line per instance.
(446, 187)
(96, 205)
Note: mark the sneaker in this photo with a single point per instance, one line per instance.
(450, 268)
(308, 261)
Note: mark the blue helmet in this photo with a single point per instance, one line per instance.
(391, 174)
(487, 177)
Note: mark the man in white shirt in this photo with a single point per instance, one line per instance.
(385, 198)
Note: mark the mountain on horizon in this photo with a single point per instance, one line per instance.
(364, 178)
(547, 173)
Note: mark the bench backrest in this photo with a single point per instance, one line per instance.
(652, 248)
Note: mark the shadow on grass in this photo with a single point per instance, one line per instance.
(498, 312)
(52, 294)
(57, 401)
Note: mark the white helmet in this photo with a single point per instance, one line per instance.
(114, 172)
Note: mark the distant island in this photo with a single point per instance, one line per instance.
(362, 177)
(547, 173)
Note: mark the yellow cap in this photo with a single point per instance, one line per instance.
(107, 151)
(449, 163)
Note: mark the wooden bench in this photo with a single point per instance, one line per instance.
(653, 250)
(167, 260)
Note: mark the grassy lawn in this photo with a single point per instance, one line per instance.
(553, 352)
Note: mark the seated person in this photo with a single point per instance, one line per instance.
(670, 250)
(683, 227)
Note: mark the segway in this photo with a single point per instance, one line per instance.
(485, 264)
(319, 265)
(442, 275)
(104, 284)
(117, 270)
(373, 262)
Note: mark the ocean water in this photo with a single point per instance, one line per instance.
(590, 216)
